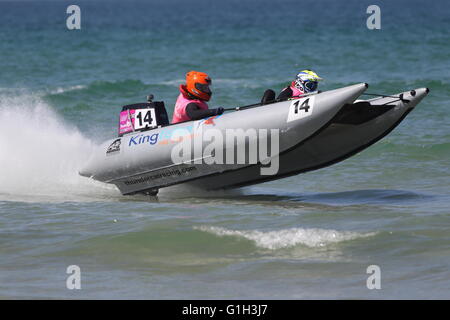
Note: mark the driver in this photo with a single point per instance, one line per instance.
(306, 81)
(191, 103)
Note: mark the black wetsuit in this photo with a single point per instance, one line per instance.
(194, 112)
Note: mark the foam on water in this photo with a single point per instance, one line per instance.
(40, 154)
(310, 237)
(67, 89)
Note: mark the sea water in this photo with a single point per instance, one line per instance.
(308, 236)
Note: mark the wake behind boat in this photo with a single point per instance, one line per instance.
(252, 145)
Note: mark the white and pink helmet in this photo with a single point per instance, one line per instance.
(307, 81)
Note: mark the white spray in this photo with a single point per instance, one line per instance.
(40, 154)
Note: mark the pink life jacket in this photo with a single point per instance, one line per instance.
(179, 114)
(295, 91)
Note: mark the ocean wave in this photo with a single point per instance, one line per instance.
(95, 90)
(60, 90)
(227, 83)
(419, 149)
(285, 238)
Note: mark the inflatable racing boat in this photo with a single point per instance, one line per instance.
(253, 144)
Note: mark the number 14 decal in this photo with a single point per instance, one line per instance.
(300, 108)
(145, 118)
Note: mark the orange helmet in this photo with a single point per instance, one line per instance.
(197, 84)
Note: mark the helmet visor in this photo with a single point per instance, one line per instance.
(311, 85)
(203, 88)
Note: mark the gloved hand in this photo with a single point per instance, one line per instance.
(219, 110)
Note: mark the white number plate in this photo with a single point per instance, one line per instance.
(144, 118)
(301, 108)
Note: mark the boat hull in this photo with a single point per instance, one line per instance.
(338, 140)
(330, 129)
